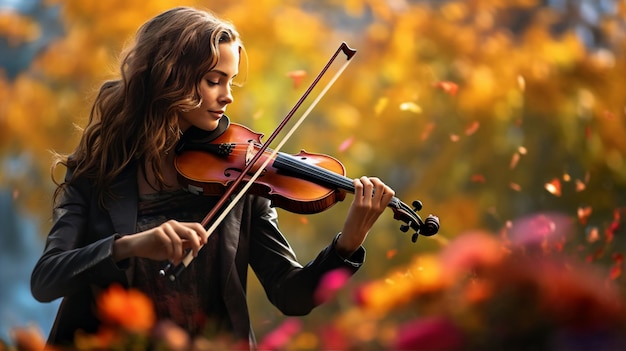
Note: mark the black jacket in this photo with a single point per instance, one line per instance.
(77, 260)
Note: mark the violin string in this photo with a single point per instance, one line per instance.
(303, 168)
(315, 172)
(340, 181)
(291, 163)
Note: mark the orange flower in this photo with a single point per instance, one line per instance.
(129, 309)
(28, 338)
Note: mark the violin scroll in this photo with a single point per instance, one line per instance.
(412, 220)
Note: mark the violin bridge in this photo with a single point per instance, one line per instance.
(249, 152)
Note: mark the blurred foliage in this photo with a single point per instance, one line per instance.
(485, 110)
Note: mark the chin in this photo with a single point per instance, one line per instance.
(209, 127)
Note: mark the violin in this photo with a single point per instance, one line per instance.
(304, 183)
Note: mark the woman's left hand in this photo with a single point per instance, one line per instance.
(371, 197)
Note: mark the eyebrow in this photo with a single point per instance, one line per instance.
(221, 73)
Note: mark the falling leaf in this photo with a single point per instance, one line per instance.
(583, 214)
(304, 220)
(616, 269)
(514, 159)
(380, 105)
(297, 77)
(472, 128)
(616, 272)
(593, 235)
(515, 186)
(580, 186)
(391, 253)
(554, 187)
(522, 150)
(613, 227)
(448, 87)
(427, 130)
(345, 145)
(477, 178)
(411, 107)
(595, 255)
(521, 83)
(454, 138)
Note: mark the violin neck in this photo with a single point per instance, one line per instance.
(292, 165)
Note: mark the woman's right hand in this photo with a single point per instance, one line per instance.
(168, 241)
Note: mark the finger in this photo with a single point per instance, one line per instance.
(382, 192)
(358, 189)
(368, 188)
(175, 241)
(378, 188)
(200, 231)
(191, 239)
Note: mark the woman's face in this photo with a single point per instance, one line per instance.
(215, 91)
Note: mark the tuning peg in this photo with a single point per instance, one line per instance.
(414, 237)
(404, 228)
(417, 205)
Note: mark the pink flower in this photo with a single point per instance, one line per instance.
(278, 338)
(435, 333)
(330, 283)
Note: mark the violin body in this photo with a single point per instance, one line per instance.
(210, 172)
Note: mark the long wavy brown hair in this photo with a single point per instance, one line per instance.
(135, 118)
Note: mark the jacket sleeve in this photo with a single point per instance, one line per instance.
(290, 286)
(74, 258)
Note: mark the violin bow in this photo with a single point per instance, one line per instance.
(343, 48)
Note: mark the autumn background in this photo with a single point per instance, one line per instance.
(492, 113)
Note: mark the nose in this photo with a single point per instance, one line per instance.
(227, 96)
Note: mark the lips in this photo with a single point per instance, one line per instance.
(218, 114)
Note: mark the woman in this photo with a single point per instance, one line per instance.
(121, 212)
